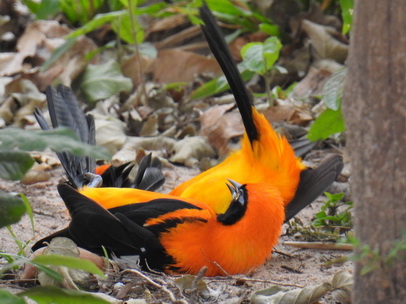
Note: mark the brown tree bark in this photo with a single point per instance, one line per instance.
(375, 110)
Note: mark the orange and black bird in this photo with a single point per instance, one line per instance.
(265, 156)
(180, 235)
(227, 219)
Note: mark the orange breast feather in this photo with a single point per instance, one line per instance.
(233, 249)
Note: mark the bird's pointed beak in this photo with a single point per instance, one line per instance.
(233, 187)
(234, 184)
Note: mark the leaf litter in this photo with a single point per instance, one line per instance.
(187, 135)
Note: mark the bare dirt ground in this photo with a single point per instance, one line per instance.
(289, 267)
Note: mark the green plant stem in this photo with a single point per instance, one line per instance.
(16, 240)
(140, 71)
(268, 78)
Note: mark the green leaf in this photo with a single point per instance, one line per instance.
(210, 88)
(152, 9)
(103, 81)
(51, 294)
(347, 9)
(328, 123)
(333, 90)
(17, 260)
(270, 29)
(28, 208)
(271, 49)
(252, 56)
(43, 9)
(261, 57)
(11, 209)
(336, 197)
(220, 84)
(96, 22)
(14, 164)
(32, 5)
(68, 261)
(123, 27)
(66, 46)
(7, 297)
(61, 139)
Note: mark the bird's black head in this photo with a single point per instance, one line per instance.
(238, 205)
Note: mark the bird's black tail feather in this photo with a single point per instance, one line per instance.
(149, 175)
(64, 110)
(219, 48)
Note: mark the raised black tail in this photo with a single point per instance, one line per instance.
(64, 110)
(219, 48)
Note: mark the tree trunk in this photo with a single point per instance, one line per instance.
(375, 110)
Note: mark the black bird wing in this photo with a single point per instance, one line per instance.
(119, 230)
(313, 182)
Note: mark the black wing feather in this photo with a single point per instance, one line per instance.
(119, 230)
(313, 183)
(93, 227)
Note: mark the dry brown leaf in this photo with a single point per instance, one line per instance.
(220, 126)
(342, 286)
(29, 44)
(38, 42)
(22, 98)
(130, 66)
(177, 66)
(279, 112)
(36, 174)
(324, 43)
(159, 146)
(110, 132)
(179, 38)
(313, 83)
(278, 295)
(166, 24)
(150, 127)
(190, 150)
(47, 158)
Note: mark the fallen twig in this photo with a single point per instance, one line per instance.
(319, 245)
(162, 287)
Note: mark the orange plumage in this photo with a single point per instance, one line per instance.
(229, 249)
(269, 160)
(191, 233)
